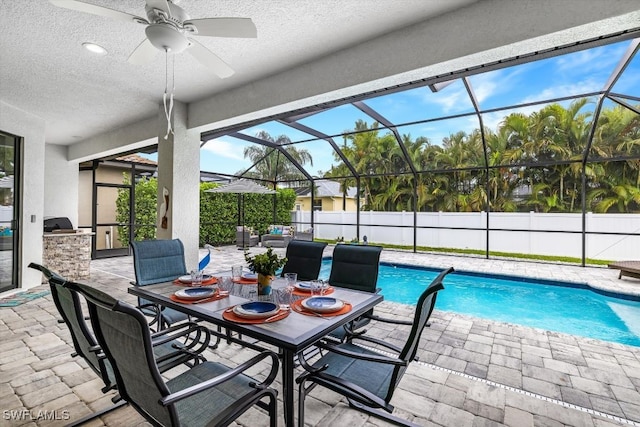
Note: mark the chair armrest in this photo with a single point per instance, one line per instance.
(367, 357)
(387, 320)
(178, 330)
(377, 341)
(195, 336)
(190, 391)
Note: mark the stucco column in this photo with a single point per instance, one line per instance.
(179, 175)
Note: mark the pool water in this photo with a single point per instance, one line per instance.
(550, 305)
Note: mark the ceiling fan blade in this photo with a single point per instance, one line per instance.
(210, 59)
(225, 27)
(96, 10)
(143, 54)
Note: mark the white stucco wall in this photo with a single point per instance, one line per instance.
(31, 128)
(60, 184)
(177, 156)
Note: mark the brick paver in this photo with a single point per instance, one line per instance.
(471, 372)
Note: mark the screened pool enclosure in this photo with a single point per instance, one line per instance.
(536, 155)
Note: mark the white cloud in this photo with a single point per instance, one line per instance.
(254, 130)
(499, 82)
(591, 60)
(492, 120)
(568, 89)
(224, 148)
(450, 101)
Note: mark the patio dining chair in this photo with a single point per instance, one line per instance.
(157, 261)
(208, 394)
(355, 267)
(304, 258)
(168, 351)
(368, 378)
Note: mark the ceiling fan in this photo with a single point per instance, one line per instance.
(169, 29)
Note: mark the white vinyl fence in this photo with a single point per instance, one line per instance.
(446, 231)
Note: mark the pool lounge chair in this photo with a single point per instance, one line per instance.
(627, 268)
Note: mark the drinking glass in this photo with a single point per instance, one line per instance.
(196, 277)
(283, 295)
(317, 287)
(236, 272)
(226, 284)
(291, 278)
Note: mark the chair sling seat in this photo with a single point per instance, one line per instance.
(157, 261)
(355, 267)
(68, 304)
(212, 404)
(167, 354)
(208, 394)
(171, 316)
(304, 258)
(367, 378)
(357, 372)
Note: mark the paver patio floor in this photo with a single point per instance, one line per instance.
(472, 372)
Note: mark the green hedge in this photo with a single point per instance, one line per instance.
(218, 212)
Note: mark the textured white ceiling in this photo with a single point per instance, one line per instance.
(45, 71)
(306, 50)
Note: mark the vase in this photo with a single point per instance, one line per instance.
(264, 284)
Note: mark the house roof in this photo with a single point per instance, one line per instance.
(134, 158)
(326, 188)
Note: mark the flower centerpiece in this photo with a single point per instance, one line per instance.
(265, 265)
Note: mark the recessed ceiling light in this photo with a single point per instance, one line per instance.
(94, 48)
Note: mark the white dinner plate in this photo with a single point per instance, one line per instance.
(303, 286)
(322, 304)
(195, 293)
(256, 309)
(187, 278)
(249, 276)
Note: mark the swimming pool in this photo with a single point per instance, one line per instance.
(555, 306)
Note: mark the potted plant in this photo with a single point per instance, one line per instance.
(265, 265)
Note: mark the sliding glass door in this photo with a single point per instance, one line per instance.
(9, 210)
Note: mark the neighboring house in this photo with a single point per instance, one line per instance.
(327, 197)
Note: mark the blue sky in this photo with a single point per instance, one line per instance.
(567, 75)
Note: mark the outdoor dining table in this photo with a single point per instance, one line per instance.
(290, 335)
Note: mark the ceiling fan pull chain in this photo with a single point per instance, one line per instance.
(169, 108)
(173, 85)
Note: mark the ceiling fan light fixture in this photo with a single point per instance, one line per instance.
(94, 48)
(165, 37)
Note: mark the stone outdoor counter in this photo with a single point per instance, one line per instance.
(68, 254)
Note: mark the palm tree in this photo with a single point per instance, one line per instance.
(618, 198)
(270, 164)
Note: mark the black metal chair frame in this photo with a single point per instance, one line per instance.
(86, 346)
(357, 396)
(99, 302)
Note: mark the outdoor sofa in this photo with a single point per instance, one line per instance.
(277, 236)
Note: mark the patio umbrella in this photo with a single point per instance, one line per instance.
(242, 187)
